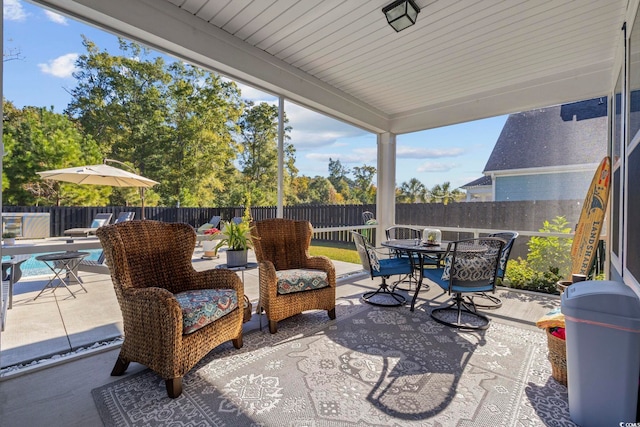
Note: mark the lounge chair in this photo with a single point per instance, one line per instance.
(124, 216)
(213, 222)
(99, 220)
(98, 266)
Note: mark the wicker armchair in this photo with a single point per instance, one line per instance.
(281, 247)
(150, 265)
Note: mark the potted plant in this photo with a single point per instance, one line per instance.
(9, 238)
(209, 244)
(237, 238)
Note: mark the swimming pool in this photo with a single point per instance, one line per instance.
(32, 267)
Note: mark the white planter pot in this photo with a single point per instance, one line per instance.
(208, 248)
(10, 241)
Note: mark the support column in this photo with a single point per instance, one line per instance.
(386, 194)
(280, 209)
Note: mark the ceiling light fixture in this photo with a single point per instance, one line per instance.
(401, 14)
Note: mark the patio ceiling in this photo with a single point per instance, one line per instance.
(463, 60)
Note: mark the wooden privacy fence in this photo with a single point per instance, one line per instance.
(522, 215)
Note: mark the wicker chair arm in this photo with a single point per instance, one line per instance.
(268, 279)
(323, 263)
(154, 315)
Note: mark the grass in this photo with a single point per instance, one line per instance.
(336, 251)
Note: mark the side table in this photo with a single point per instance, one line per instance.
(241, 269)
(62, 262)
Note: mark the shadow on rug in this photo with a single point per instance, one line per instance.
(370, 366)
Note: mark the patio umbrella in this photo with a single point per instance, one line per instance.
(101, 175)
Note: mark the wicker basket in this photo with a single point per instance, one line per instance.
(247, 309)
(557, 357)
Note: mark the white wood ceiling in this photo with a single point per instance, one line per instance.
(463, 60)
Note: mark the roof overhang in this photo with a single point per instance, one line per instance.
(460, 62)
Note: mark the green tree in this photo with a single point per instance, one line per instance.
(338, 176)
(364, 190)
(37, 139)
(412, 191)
(172, 122)
(203, 109)
(442, 193)
(258, 157)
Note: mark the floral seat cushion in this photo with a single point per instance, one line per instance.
(204, 306)
(300, 279)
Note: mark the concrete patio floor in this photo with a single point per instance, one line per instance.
(58, 391)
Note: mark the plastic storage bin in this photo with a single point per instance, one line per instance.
(603, 352)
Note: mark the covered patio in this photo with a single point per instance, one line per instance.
(62, 384)
(461, 61)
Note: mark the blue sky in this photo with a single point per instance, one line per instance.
(49, 44)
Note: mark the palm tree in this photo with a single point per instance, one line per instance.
(413, 191)
(443, 193)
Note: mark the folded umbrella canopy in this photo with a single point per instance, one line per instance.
(101, 175)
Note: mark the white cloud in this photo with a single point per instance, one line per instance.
(251, 94)
(61, 67)
(54, 17)
(13, 10)
(431, 167)
(359, 156)
(427, 153)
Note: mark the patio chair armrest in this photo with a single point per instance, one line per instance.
(146, 308)
(267, 279)
(325, 264)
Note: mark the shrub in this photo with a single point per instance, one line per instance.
(548, 260)
(548, 253)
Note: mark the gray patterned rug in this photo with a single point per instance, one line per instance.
(372, 366)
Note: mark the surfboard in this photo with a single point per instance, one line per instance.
(587, 235)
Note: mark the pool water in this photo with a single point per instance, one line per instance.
(32, 267)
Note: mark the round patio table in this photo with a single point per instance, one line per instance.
(422, 252)
(60, 262)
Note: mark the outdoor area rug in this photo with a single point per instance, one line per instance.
(372, 366)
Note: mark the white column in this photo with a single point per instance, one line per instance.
(386, 195)
(280, 209)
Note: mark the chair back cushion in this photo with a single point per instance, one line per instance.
(203, 306)
(284, 242)
(509, 237)
(368, 257)
(472, 263)
(300, 279)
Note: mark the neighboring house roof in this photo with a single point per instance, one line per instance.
(568, 134)
(480, 182)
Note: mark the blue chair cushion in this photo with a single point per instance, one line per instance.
(436, 276)
(97, 223)
(300, 279)
(392, 266)
(203, 306)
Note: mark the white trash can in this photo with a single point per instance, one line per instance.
(603, 352)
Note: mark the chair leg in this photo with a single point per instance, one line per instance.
(273, 326)
(395, 300)
(493, 302)
(237, 342)
(456, 309)
(332, 313)
(120, 367)
(174, 387)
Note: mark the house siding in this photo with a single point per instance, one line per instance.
(550, 186)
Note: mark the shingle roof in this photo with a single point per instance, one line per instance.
(482, 181)
(555, 136)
